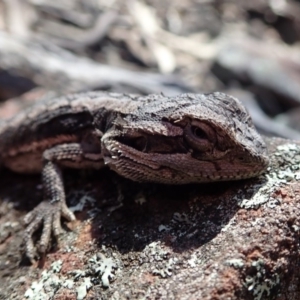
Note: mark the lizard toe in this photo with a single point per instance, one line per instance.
(48, 215)
(67, 213)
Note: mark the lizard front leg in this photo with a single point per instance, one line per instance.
(49, 212)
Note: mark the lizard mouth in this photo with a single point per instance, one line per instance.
(174, 168)
(155, 144)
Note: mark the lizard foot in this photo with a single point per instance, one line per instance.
(48, 215)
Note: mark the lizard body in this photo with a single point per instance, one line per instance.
(172, 140)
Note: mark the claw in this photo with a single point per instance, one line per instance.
(48, 215)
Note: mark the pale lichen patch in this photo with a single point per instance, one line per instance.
(259, 284)
(285, 168)
(235, 262)
(48, 284)
(52, 281)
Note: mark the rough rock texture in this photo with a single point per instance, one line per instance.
(231, 240)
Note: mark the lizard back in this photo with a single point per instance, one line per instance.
(24, 137)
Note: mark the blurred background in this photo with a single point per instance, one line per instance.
(249, 49)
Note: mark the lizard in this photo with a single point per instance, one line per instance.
(189, 138)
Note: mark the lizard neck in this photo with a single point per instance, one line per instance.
(107, 110)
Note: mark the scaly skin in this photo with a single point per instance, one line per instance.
(189, 138)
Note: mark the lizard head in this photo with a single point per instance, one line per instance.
(185, 139)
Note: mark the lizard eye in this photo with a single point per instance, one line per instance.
(199, 133)
(200, 136)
